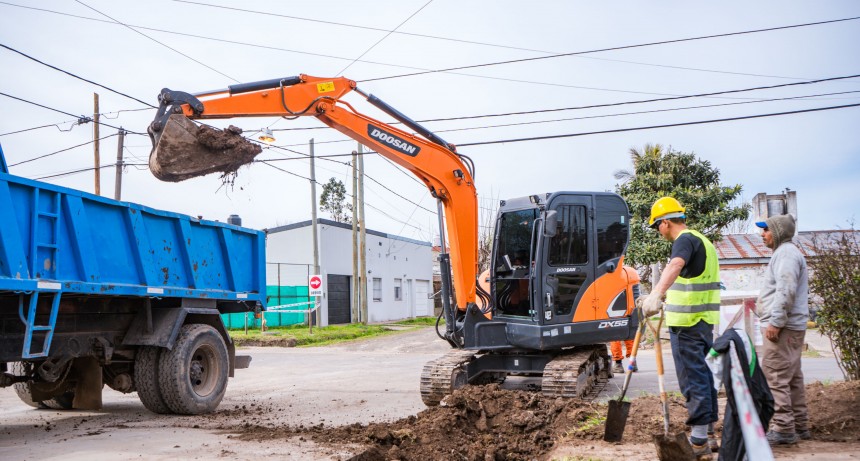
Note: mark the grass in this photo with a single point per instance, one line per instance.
(420, 321)
(300, 334)
(811, 353)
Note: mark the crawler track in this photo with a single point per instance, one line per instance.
(441, 376)
(580, 373)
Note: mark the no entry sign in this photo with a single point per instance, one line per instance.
(315, 285)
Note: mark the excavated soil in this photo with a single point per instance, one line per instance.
(483, 423)
(186, 150)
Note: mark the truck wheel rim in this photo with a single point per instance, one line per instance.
(203, 370)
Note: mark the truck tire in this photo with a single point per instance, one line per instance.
(24, 392)
(146, 379)
(193, 375)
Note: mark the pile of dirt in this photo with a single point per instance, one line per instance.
(483, 423)
(833, 411)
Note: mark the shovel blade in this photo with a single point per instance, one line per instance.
(183, 150)
(673, 447)
(616, 419)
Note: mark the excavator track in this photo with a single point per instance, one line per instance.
(581, 373)
(442, 376)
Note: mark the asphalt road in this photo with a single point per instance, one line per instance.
(359, 382)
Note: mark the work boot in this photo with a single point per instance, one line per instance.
(712, 443)
(618, 367)
(781, 438)
(804, 434)
(702, 452)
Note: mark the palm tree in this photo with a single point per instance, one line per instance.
(636, 156)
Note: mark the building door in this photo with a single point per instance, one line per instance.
(339, 299)
(422, 303)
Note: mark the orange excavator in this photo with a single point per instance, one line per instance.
(556, 291)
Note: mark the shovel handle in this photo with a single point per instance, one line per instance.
(658, 352)
(636, 340)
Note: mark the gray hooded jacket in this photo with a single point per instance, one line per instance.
(784, 298)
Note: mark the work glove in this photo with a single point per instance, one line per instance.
(650, 304)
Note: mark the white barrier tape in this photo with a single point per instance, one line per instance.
(755, 439)
(284, 306)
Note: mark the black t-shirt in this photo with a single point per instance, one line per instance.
(690, 248)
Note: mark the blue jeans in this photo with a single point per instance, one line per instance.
(690, 345)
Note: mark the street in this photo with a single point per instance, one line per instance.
(359, 382)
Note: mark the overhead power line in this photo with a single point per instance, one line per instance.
(471, 42)
(620, 130)
(81, 118)
(384, 37)
(160, 43)
(275, 48)
(616, 48)
(60, 151)
(74, 75)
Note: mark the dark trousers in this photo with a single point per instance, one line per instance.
(690, 345)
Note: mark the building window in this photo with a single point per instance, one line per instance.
(398, 289)
(377, 290)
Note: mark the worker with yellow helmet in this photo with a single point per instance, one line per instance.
(690, 285)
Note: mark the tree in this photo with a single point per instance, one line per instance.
(659, 172)
(835, 286)
(333, 200)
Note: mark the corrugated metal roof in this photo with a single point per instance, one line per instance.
(751, 246)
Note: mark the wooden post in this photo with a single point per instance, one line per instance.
(97, 161)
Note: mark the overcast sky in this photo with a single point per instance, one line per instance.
(137, 48)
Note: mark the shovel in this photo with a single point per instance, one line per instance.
(616, 418)
(669, 447)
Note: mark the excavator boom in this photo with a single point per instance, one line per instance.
(182, 149)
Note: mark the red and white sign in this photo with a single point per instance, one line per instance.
(315, 285)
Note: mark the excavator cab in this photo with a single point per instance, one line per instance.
(557, 260)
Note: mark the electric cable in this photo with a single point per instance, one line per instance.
(60, 151)
(160, 43)
(81, 118)
(616, 48)
(76, 76)
(202, 37)
(472, 42)
(383, 38)
(621, 130)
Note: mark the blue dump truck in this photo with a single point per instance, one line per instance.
(97, 292)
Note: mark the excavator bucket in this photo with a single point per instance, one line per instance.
(181, 150)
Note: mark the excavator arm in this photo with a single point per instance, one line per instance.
(182, 149)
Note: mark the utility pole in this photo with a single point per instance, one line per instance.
(357, 278)
(363, 234)
(97, 168)
(117, 184)
(314, 226)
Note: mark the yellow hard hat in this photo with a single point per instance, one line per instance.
(666, 207)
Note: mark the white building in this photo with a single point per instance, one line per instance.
(399, 270)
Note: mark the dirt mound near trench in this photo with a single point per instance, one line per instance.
(833, 412)
(482, 423)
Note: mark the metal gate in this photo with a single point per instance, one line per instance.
(339, 300)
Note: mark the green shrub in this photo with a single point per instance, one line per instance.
(835, 284)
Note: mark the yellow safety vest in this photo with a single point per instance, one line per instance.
(690, 300)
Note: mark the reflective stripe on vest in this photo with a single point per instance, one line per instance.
(690, 300)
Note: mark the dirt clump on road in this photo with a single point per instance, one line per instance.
(483, 423)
